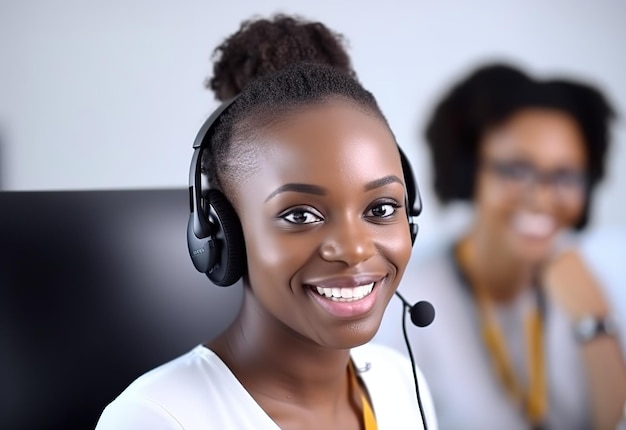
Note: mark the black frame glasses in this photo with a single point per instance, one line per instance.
(566, 182)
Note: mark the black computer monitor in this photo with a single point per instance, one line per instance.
(96, 287)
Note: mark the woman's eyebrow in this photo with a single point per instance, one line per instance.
(320, 191)
(298, 188)
(377, 183)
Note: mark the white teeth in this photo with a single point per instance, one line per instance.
(346, 294)
(533, 224)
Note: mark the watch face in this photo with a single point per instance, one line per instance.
(586, 328)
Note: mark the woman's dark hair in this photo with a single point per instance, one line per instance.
(264, 46)
(268, 100)
(490, 96)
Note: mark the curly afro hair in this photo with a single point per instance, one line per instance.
(488, 97)
(263, 46)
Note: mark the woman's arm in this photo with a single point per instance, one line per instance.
(577, 292)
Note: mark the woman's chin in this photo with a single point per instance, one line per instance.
(350, 337)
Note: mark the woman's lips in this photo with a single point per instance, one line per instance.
(346, 298)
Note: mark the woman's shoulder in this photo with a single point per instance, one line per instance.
(185, 371)
(175, 395)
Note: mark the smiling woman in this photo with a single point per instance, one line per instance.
(302, 169)
(526, 326)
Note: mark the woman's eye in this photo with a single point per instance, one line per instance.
(301, 216)
(568, 179)
(382, 210)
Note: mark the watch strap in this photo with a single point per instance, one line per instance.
(590, 327)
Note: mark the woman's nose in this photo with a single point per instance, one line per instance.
(350, 242)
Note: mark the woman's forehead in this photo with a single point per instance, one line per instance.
(325, 144)
(544, 133)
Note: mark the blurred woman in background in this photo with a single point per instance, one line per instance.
(524, 337)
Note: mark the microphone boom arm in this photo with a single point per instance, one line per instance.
(406, 307)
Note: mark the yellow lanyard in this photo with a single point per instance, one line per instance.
(368, 415)
(534, 400)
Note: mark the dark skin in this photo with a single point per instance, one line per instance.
(343, 226)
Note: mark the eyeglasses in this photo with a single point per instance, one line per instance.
(521, 176)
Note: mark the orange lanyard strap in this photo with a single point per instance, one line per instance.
(368, 414)
(534, 400)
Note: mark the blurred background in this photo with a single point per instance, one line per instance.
(101, 95)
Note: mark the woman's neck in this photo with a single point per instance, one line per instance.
(274, 362)
(491, 268)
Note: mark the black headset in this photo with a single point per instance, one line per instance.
(214, 233)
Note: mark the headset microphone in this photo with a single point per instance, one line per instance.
(422, 315)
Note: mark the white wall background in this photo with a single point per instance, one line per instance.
(108, 94)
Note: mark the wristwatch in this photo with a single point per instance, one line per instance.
(589, 327)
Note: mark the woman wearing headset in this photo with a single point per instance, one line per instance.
(314, 177)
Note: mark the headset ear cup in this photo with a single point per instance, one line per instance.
(413, 201)
(412, 217)
(414, 228)
(230, 264)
